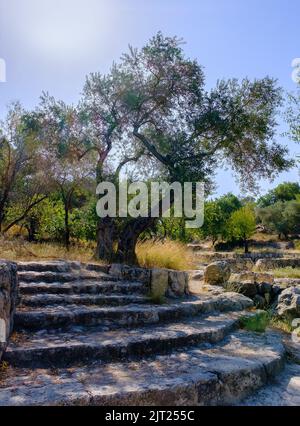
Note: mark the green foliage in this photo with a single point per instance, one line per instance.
(286, 191)
(216, 216)
(242, 224)
(293, 116)
(281, 217)
(256, 322)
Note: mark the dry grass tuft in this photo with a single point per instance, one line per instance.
(168, 254)
(18, 249)
(286, 272)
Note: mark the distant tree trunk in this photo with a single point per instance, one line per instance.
(67, 228)
(246, 245)
(105, 239)
(31, 229)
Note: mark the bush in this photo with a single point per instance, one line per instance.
(258, 322)
(242, 225)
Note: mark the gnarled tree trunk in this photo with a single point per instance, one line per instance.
(129, 237)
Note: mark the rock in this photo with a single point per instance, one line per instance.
(273, 263)
(264, 288)
(289, 303)
(247, 288)
(196, 274)
(254, 277)
(130, 273)
(251, 283)
(217, 273)
(240, 264)
(159, 283)
(259, 302)
(265, 278)
(242, 277)
(178, 283)
(8, 301)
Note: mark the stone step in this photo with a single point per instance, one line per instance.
(284, 390)
(219, 374)
(45, 299)
(49, 266)
(55, 277)
(60, 266)
(130, 315)
(46, 349)
(81, 287)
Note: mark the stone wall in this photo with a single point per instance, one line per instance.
(160, 282)
(267, 264)
(8, 301)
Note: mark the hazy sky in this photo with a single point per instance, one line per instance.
(50, 45)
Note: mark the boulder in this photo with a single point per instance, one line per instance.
(273, 263)
(196, 274)
(217, 273)
(288, 305)
(251, 284)
(8, 301)
(247, 288)
(178, 283)
(259, 302)
(159, 283)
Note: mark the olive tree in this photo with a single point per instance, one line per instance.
(23, 176)
(191, 132)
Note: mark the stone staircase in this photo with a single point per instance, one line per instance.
(85, 337)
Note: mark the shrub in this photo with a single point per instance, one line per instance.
(257, 322)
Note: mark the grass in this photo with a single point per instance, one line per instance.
(151, 254)
(254, 249)
(288, 272)
(168, 254)
(18, 249)
(297, 244)
(257, 322)
(281, 324)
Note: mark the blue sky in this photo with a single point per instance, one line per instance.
(50, 45)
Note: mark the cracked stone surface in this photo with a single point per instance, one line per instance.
(83, 336)
(284, 390)
(205, 375)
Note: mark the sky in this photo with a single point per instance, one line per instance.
(51, 45)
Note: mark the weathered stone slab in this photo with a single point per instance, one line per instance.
(8, 301)
(273, 263)
(85, 344)
(159, 283)
(289, 303)
(217, 273)
(209, 375)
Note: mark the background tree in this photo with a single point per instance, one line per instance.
(23, 178)
(216, 215)
(242, 225)
(281, 217)
(286, 191)
(60, 131)
(189, 131)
